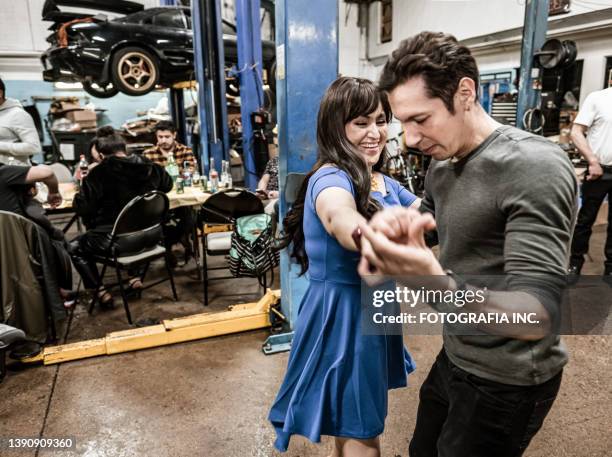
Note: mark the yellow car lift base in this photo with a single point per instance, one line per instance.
(239, 318)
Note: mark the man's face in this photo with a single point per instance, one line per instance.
(428, 125)
(165, 139)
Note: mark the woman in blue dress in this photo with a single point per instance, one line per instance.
(338, 378)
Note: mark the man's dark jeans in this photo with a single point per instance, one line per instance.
(593, 195)
(463, 415)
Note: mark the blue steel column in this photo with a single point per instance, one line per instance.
(249, 70)
(176, 104)
(210, 72)
(534, 35)
(307, 62)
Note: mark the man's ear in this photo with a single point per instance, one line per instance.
(466, 92)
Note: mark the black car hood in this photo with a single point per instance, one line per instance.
(52, 12)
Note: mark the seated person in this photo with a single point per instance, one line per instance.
(94, 157)
(268, 184)
(165, 134)
(17, 196)
(34, 211)
(105, 191)
(181, 223)
(267, 188)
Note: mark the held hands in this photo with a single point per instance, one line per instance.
(594, 171)
(393, 244)
(54, 199)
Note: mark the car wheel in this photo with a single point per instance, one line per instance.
(135, 71)
(95, 90)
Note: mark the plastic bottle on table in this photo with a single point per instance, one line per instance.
(186, 174)
(172, 168)
(213, 177)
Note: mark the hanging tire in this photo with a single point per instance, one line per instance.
(135, 71)
(95, 90)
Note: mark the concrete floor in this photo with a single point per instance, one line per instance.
(210, 398)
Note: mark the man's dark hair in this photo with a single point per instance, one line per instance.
(165, 125)
(111, 144)
(438, 58)
(2, 88)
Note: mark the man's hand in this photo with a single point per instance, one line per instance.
(54, 199)
(406, 254)
(594, 171)
(273, 194)
(393, 223)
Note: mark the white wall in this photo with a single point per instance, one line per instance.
(465, 19)
(352, 44)
(462, 18)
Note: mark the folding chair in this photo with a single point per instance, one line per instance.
(135, 241)
(219, 214)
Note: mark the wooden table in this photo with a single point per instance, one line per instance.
(192, 196)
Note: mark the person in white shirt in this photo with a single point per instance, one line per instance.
(18, 134)
(592, 135)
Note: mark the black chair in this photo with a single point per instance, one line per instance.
(8, 336)
(136, 240)
(219, 214)
(293, 184)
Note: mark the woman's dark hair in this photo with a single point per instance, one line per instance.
(345, 99)
(111, 144)
(436, 57)
(102, 132)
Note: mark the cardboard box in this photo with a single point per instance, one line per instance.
(61, 106)
(86, 118)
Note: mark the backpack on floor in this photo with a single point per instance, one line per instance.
(251, 252)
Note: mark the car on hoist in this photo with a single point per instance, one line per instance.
(134, 53)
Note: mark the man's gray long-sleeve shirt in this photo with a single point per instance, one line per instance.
(506, 210)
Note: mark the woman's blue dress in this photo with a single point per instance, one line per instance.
(337, 378)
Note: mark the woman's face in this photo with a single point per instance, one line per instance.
(368, 133)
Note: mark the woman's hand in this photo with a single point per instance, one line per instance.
(397, 246)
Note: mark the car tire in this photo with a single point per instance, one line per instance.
(135, 71)
(98, 91)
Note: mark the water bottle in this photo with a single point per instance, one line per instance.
(224, 173)
(186, 174)
(172, 168)
(213, 177)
